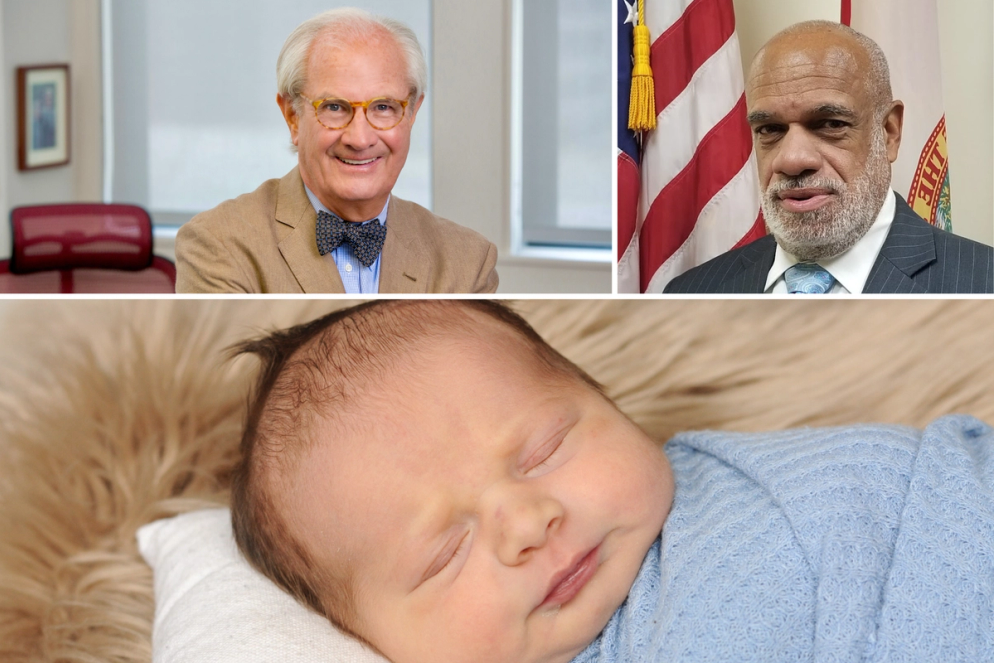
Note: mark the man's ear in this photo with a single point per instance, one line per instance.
(417, 107)
(290, 115)
(893, 125)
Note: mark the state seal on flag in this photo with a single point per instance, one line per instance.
(929, 195)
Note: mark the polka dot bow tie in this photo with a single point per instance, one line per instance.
(366, 238)
(809, 279)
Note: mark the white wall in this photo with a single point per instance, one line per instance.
(87, 93)
(44, 32)
(966, 42)
(35, 32)
(472, 151)
(4, 111)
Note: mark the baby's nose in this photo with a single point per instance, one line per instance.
(524, 526)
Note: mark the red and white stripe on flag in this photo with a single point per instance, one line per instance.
(699, 184)
(908, 33)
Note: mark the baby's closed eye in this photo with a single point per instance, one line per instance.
(454, 549)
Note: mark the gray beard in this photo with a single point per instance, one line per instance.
(835, 228)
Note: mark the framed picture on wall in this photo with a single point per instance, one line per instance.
(42, 116)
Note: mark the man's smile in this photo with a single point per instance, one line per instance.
(358, 162)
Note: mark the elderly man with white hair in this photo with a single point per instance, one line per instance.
(349, 86)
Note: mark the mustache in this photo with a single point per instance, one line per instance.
(810, 182)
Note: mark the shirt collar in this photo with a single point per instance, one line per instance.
(852, 268)
(319, 207)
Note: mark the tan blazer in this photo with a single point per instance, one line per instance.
(265, 241)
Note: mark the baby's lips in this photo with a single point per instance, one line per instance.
(566, 584)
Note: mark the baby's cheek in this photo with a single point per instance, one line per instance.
(648, 485)
(656, 472)
(479, 617)
(472, 632)
(631, 463)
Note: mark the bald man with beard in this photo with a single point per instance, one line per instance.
(826, 130)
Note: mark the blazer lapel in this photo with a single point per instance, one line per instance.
(405, 263)
(299, 246)
(909, 248)
(756, 259)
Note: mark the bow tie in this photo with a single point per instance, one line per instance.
(366, 239)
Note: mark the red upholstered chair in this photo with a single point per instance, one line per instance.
(84, 248)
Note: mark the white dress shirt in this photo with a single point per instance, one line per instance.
(850, 269)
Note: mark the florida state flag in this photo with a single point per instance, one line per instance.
(908, 32)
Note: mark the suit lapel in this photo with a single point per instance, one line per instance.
(404, 266)
(299, 245)
(756, 260)
(909, 248)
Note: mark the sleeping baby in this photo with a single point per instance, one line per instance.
(440, 483)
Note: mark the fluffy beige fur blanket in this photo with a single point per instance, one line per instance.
(113, 414)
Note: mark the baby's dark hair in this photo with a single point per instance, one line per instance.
(323, 366)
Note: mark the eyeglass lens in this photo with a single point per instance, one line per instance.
(380, 113)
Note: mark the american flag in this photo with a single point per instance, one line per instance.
(689, 191)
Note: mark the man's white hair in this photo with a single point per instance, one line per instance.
(346, 25)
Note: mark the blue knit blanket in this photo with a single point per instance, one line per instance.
(860, 543)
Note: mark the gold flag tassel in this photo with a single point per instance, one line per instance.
(642, 109)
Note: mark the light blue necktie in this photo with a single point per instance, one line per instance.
(808, 278)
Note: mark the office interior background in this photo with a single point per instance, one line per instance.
(173, 108)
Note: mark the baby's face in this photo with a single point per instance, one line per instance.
(490, 513)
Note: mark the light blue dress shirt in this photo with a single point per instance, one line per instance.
(358, 280)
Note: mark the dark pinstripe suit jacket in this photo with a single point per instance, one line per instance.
(916, 258)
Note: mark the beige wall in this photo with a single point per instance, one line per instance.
(966, 41)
